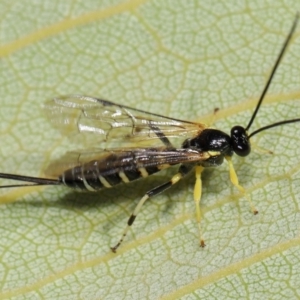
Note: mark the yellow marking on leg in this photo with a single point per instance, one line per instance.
(235, 182)
(197, 198)
(140, 204)
(176, 178)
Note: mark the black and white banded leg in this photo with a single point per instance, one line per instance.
(183, 170)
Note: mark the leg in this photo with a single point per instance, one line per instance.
(235, 182)
(183, 170)
(197, 198)
(260, 149)
(211, 118)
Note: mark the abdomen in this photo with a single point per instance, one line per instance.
(108, 172)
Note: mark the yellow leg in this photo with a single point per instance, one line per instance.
(148, 195)
(260, 149)
(197, 198)
(212, 118)
(235, 182)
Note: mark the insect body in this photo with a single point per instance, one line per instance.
(124, 167)
(96, 169)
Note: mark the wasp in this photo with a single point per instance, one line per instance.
(96, 169)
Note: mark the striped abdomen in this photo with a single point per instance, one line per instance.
(111, 170)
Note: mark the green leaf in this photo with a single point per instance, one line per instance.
(182, 59)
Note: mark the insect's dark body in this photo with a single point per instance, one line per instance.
(127, 166)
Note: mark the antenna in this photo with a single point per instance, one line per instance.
(282, 51)
(273, 125)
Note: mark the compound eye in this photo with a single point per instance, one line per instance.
(240, 142)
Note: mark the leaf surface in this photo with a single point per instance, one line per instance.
(180, 59)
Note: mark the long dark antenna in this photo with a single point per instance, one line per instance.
(273, 125)
(34, 180)
(282, 51)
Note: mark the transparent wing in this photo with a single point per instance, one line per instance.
(143, 157)
(107, 121)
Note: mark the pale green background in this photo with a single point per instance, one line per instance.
(182, 59)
